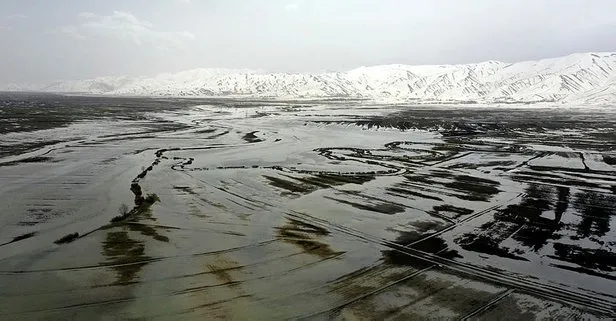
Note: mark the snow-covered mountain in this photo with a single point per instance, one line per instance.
(577, 78)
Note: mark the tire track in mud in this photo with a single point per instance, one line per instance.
(525, 163)
(156, 259)
(454, 157)
(551, 292)
(188, 291)
(443, 217)
(488, 304)
(365, 295)
(195, 289)
(261, 277)
(272, 276)
(465, 220)
(103, 303)
(226, 191)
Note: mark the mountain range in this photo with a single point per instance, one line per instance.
(582, 78)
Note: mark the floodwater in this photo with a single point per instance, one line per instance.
(320, 210)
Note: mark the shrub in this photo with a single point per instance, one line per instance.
(124, 209)
(23, 237)
(152, 198)
(67, 239)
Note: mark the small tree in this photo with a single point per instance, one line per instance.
(123, 210)
(152, 198)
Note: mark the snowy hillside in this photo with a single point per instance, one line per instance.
(577, 78)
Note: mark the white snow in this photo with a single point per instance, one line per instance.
(581, 79)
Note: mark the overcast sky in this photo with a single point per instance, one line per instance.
(44, 40)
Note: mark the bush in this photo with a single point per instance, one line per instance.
(119, 218)
(23, 237)
(67, 239)
(142, 205)
(124, 209)
(152, 198)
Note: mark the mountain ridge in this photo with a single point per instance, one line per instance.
(581, 78)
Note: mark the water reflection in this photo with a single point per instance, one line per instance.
(530, 223)
(538, 228)
(126, 254)
(538, 219)
(464, 187)
(435, 245)
(307, 237)
(596, 210)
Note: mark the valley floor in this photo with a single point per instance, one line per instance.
(305, 210)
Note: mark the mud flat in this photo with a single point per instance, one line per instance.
(230, 209)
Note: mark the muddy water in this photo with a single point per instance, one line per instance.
(309, 211)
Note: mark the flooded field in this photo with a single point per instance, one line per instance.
(339, 210)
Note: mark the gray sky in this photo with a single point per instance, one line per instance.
(45, 40)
